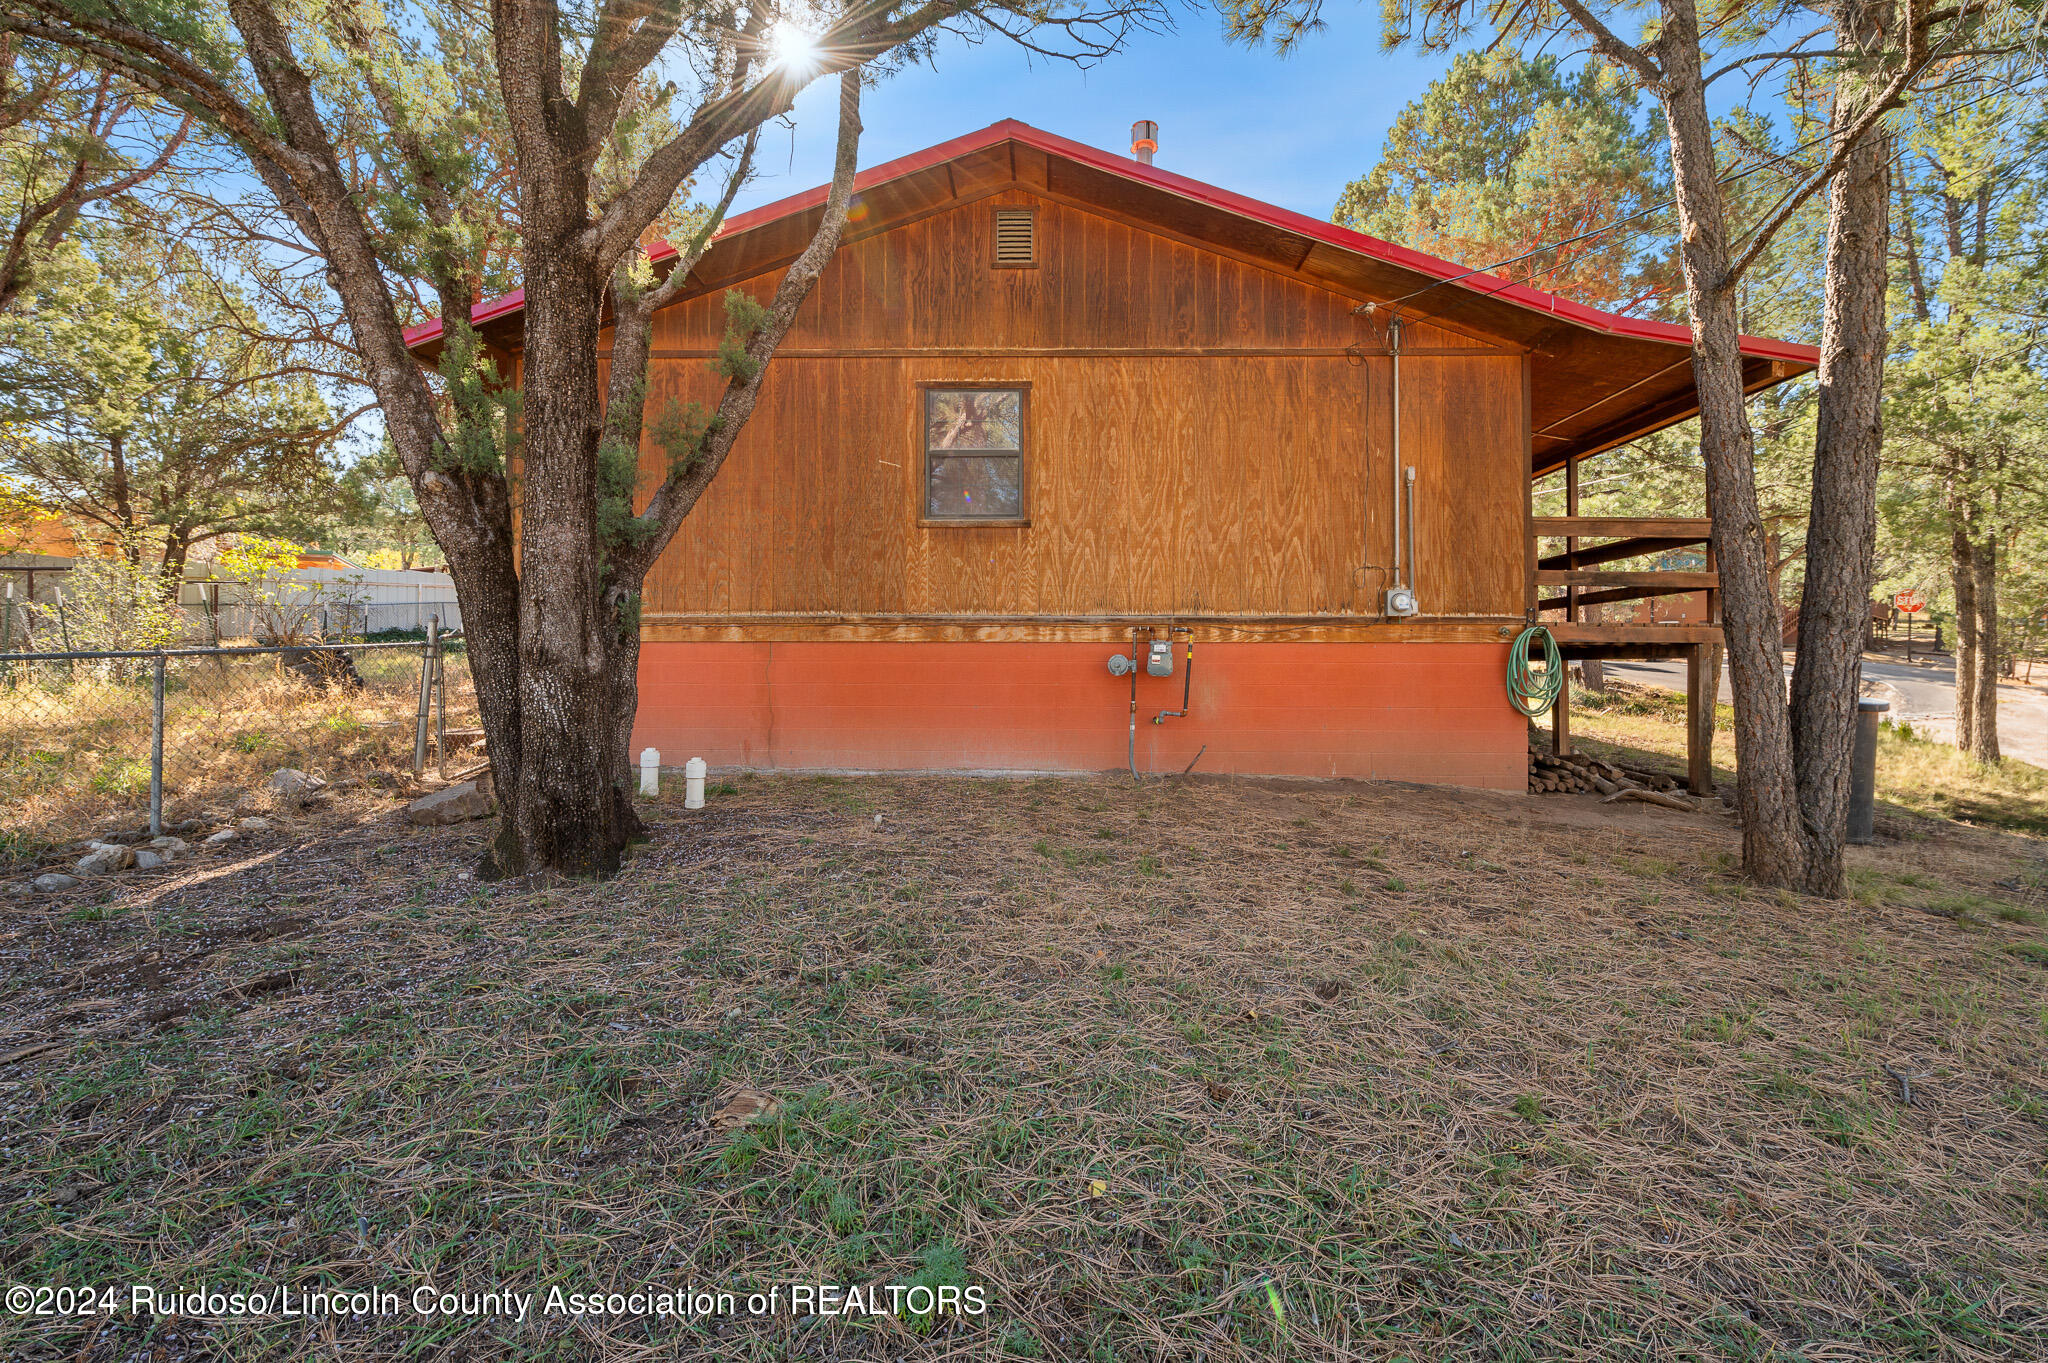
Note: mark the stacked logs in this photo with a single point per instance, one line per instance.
(1582, 773)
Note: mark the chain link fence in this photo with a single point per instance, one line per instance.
(93, 739)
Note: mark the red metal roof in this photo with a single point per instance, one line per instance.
(1328, 233)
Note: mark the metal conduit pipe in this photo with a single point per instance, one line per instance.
(1394, 348)
(1400, 597)
(1414, 563)
(1187, 684)
(1187, 677)
(1131, 744)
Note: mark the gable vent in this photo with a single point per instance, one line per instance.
(1016, 237)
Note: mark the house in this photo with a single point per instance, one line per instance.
(1051, 406)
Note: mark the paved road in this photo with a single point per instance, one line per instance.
(1923, 691)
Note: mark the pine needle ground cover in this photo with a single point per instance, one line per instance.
(1205, 1069)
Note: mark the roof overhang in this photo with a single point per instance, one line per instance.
(1600, 379)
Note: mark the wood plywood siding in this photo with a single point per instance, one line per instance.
(1101, 283)
(1199, 442)
(1462, 431)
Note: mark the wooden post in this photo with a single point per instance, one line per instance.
(1561, 717)
(1571, 543)
(1713, 659)
(1699, 721)
(1561, 713)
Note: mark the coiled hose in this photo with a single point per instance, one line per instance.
(1530, 691)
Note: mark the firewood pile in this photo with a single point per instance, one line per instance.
(1583, 774)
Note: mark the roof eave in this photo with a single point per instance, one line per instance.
(1443, 272)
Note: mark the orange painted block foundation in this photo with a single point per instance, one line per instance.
(1436, 713)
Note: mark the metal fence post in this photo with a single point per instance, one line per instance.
(440, 695)
(156, 752)
(419, 726)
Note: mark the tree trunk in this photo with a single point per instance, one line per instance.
(1772, 849)
(564, 811)
(1983, 744)
(171, 573)
(1841, 535)
(1962, 573)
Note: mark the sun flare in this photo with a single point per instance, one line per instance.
(795, 50)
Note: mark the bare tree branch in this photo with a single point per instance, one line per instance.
(678, 493)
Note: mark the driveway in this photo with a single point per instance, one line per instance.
(1922, 692)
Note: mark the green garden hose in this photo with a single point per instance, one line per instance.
(1530, 691)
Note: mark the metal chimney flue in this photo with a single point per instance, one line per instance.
(1144, 140)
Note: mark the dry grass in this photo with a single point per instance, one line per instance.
(1939, 779)
(1207, 1070)
(1913, 774)
(75, 741)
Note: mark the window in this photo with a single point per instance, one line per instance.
(974, 454)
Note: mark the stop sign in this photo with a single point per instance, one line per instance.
(1911, 601)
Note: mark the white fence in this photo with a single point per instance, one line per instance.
(352, 601)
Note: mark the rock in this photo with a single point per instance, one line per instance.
(290, 781)
(253, 824)
(319, 668)
(52, 881)
(146, 860)
(225, 836)
(457, 804)
(105, 859)
(171, 846)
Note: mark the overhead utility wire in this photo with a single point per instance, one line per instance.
(1898, 159)
(1729, 178)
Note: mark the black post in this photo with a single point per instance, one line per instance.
(1863, 772)
(419, 726)
(440, 695)
(156, 753)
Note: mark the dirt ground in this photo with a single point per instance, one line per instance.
(1200, 1069)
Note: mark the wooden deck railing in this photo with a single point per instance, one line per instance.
(1579, 570)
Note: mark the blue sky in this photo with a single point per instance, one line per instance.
(1291, 131)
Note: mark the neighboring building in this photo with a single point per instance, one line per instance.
(1046, 399)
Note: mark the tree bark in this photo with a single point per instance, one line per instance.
(1983, 744)
(1772, 847)
(1841, 535)
(631, 550)
(1962, 572)
(562, 814)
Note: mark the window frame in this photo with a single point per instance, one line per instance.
(923, 463)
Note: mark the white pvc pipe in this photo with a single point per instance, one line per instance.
(650, 772)
(693, 783)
